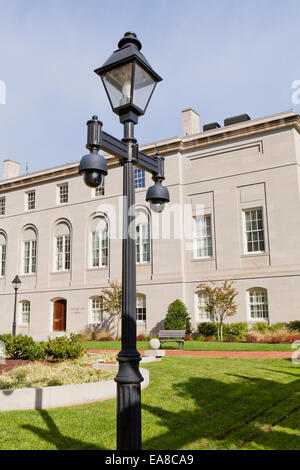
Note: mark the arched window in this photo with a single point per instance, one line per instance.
(258, 304)
(24, 313)
(2, 254)
(201, 313)
(29, 251)
(62, 260)
(98, 243)
(143, 251)
(141, 307)
(95, 310)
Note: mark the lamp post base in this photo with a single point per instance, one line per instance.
(129, 381)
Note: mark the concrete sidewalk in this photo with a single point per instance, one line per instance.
(241, 354)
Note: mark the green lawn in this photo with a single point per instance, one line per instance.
(194, 346)
(191, 403)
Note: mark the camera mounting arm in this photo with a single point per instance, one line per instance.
(100, 140)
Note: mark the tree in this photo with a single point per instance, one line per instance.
(112, 302)
(220, 302)
(178, 317)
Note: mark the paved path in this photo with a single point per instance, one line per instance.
(248, 354)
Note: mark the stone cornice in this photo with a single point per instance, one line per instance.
(167, 147)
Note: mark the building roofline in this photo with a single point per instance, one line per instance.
(279, 121)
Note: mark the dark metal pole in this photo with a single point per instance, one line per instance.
(14, 328)
(129, 377)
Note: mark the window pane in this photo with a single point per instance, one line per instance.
(203, 237)
(139, 178)
(254, 228)
(258, 304)
(143, 254)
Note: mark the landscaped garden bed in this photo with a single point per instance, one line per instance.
(40, 374)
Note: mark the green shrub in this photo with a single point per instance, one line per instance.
(23, 347)
(60, 349)
(260, 327)
(5, 338)
(294, 325)
(208, 329)
(178, 317)
(278, 326)
(238, 330)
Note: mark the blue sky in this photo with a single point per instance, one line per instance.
(223, 58)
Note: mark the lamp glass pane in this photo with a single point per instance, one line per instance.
(118, 85)
(143, 87)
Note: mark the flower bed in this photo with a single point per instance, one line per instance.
(25, 374)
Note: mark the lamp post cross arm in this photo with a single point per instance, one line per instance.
(98, 139)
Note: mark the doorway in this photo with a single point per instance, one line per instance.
(60, 315)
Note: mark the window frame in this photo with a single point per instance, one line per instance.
(143, 313)
(59, 194)
(2, 205)
(66, 241)
(92, 310)
(140, 244)
(197, 310)
(257, 319)
(245, 232)
(103, 246)
(28, 201)
(32, 258)
(94, 191)
(196, 239)
(139, 178)
(2, 260)
(21, 313)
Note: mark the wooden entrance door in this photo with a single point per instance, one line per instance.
(60, 315)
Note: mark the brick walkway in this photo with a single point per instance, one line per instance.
(248, 354)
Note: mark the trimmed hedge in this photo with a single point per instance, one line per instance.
(236, 330)
(58, 349)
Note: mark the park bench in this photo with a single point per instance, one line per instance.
(177, 336)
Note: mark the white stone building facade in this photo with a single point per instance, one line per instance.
(238, 188)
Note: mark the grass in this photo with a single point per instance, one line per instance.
(193, 346)
(191, 403)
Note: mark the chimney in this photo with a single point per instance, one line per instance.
(11, 169)
(190, 122)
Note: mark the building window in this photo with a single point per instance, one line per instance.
(29, 257)
(100, 191)
(202, 315)
(63, 194)
(96, 310)
(2, 206)
(98, 243)
(142, 243)
(25, 313)
(139, 178)
(2, 258)
(258, 304)
(203, 237)
(63, 253)
(30, 201)
(254, 231)
(141, 307)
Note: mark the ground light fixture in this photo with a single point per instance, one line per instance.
(16, 284)
(129, 82)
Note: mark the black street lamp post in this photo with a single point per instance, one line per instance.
(16, 284)
(129, 82)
